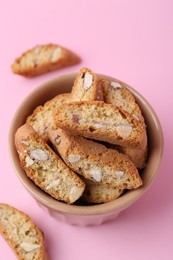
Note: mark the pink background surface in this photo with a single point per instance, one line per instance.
(128, 39)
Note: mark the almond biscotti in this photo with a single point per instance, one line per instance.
(87, 87)
(98, 193)
(42, 59)
(101, 121)
(23, 236)
(95, 162)
(45, 168)
(42, 117)
(117, 94)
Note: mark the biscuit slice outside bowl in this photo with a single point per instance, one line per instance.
(23, 236)
(42, 59)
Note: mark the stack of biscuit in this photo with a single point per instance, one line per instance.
(99, 141)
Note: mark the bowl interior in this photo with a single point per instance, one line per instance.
(64, 84)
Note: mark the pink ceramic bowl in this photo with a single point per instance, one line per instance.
(95, 214)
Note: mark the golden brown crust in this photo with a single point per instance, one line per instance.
(95, 162)
(87, 86)
(42, 59)
(101, 121)
(22, 234)
(42, 117)
(45, 168)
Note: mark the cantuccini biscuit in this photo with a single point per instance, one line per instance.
(87, 86)
(42, 59)
(23, 236)
(116, 93)
(45, 168)
(100, 121)
(95, 162)
(42, 117)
